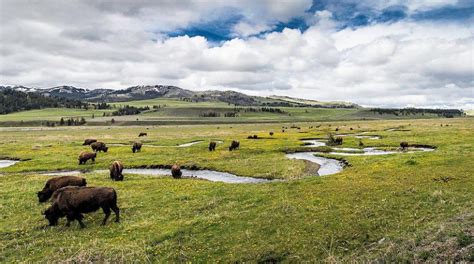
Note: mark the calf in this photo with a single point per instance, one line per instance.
(85, 156)
(72, 202)
(116, 171)
(56, 183)
(99, 146)
(137, 146)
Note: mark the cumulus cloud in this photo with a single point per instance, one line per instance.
(104, 44)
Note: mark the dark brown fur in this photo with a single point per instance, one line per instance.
(85, 156)
(176, 171)
(234, 145)
(137, 146)
(99, 146)
(72, 202)
(212, 146)
(404, 145)
(56, 183)
(116, 171)
(142, 134)
(271, 133)
(89, 141)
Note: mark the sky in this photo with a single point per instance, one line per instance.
(391, 53)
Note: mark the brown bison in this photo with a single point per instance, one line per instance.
(99, 146)
(234, 145)
(73, 201)
(176, 171)
(338, 140)
(142, 134)
(137, 146)
(85, 156)
(404, 145)
(89, 141)
(56, 183)
(212, 146)
(252, 137)
(116, 171)
(271, 134)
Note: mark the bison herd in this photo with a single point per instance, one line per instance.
(71, 198)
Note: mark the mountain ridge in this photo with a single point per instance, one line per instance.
(143, 92)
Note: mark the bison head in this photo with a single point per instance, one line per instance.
(105, 149)
(43, 196)
(52, 215)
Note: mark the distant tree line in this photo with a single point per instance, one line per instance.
(449, 113)
(14, 101)
(129, 110)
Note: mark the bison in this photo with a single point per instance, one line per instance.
(176, 171)
(212, 146)
(137, 146)
(404, 145)
(85, 156)
(271, 134)
(56, 183)
(99, 146)
(73, 201)
(116, 171)
(338, 140)
(142, 134)
(234, 145)
(89, 141)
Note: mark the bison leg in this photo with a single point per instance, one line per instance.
(116, 212)
(69, 219)
(79, 218)
(107, 214)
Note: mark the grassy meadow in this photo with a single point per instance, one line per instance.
(391, 208)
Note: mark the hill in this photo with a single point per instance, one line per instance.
(144, 92)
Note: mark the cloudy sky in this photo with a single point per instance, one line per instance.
(390, 53)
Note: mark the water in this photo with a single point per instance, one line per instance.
(314, 143)
(7, 163)
(375, 151)
(327, 166)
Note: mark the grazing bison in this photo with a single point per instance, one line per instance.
(73, 201)
(252, 137)
(282, 131)
(271, 133)
(89, 141)
(137, 146)
(99, 146)
(338, 140)
(404, 145)
(56, 183)
(234, 145)
(212, 146)
(116, 171)
(142, 134)
(176, 171)
(85, 156)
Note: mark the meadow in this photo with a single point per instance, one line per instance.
(400, 207)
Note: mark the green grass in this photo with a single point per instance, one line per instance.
(390, 208)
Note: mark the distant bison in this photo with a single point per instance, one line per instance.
(99, 146)
(404, 145)
(142, 134)
(212, 146)
(282, 131)
(85, 156)
(338, 140)
(56, 183)
(271, 133)
(89, 141)
(116, 171)
(72, 202)
(252, 137)
(234, 145)
(176, 171)
(137, 146)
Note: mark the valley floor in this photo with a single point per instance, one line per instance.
(407, 206)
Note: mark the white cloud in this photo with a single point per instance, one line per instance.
(116, 46)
